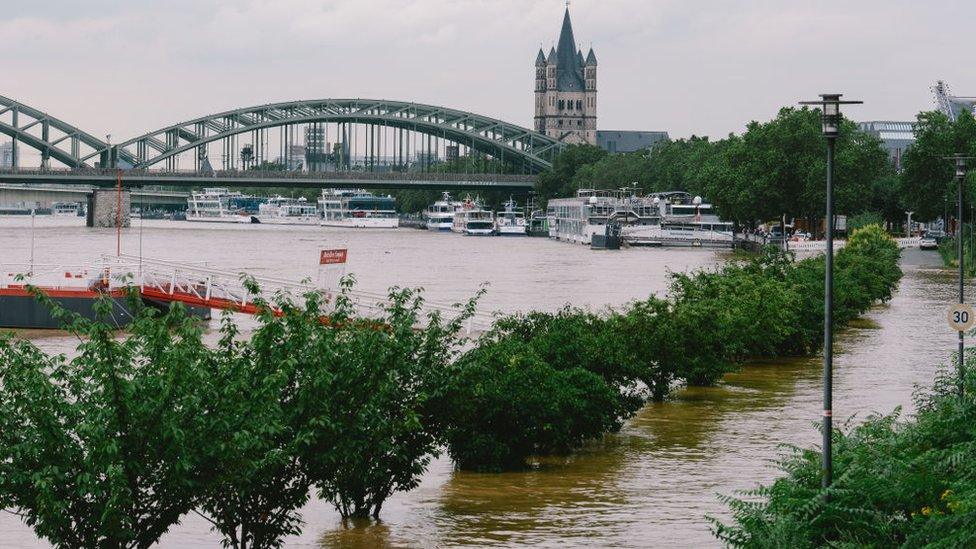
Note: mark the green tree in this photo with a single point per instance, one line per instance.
(778, 167)
(103, 450)
(613, 171)
(380, 437)
(266, 402)
(558, 181)
(927, 179)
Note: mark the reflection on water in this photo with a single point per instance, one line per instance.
(649, 485)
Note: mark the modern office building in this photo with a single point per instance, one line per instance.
(894, 136)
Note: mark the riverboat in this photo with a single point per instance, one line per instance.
(220, 205)
(671, 218)
(439, 216)
(510, 221)
(473, 220)
(357, 208)
(65, 209)
(280, 210)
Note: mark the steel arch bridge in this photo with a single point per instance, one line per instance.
(52, 137)
(512, 144)
(499, 139)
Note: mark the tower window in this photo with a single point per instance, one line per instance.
(569, 105)
(579, 105)
(562, 104)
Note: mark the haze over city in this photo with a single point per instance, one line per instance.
(704, 68)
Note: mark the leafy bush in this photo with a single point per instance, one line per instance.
(539, 383)
(896, 483)
(536, 384)
(505, 403)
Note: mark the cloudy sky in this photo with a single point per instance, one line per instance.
(705, 67)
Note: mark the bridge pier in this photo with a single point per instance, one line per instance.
(103, 208)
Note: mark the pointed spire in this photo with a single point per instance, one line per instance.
(591, 59)
(540, 59)
(552, 56)
(569, 59)
(567, 43)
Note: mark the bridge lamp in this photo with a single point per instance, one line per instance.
(830, 120)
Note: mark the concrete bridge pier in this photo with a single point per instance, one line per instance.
(103, 207)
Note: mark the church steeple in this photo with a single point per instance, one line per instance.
(570, 77)
(565, 91)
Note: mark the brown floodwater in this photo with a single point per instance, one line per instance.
(653, 483)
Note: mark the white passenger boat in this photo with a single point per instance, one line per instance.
(287, 211)
(672, 218)
(65, 209)
(357, 208)
(473, 220)
(510, 221)
(440, 215)
(220, 205)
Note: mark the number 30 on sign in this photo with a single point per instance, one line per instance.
(960, 317)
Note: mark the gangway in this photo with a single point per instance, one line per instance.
(203, 286)
(198, 285)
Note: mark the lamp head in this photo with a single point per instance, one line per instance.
(830, 117)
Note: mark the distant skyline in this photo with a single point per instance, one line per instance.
(704, 68)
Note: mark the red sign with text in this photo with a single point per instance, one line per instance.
(332, 257)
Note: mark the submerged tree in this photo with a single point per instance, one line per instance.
(103, 450)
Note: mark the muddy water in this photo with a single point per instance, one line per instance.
(650, 485)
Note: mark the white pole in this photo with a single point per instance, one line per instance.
(32, 244)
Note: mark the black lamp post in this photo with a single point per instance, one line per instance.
(831, 119)
(960, 163)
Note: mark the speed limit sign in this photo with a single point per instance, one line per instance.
(960, 317)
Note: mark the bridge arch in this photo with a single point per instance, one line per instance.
(511, 143)
(50, 136)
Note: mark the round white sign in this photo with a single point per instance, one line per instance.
(961, 317)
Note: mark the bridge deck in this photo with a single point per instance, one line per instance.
(365, 180)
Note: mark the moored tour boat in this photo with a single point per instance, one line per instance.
(473, 220)
(439, 216)
(510, 221)
(220, 205)
(357, 208)
(287, 211)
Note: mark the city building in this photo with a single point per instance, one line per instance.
(895, 137)
(316, 148)
(623, 141)
(7, 155)
(565, 90)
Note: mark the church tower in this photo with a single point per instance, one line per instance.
(565, 90)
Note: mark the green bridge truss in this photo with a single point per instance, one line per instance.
(513, 144)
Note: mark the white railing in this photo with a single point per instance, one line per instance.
(821, 245)
(201, 285)
(209, 285)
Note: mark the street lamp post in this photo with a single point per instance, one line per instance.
(960, 163)
(830, 120)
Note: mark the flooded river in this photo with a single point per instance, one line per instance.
(649, 485)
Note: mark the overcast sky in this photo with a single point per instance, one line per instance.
(701, 67)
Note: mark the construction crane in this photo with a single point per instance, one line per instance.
(949, 104)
